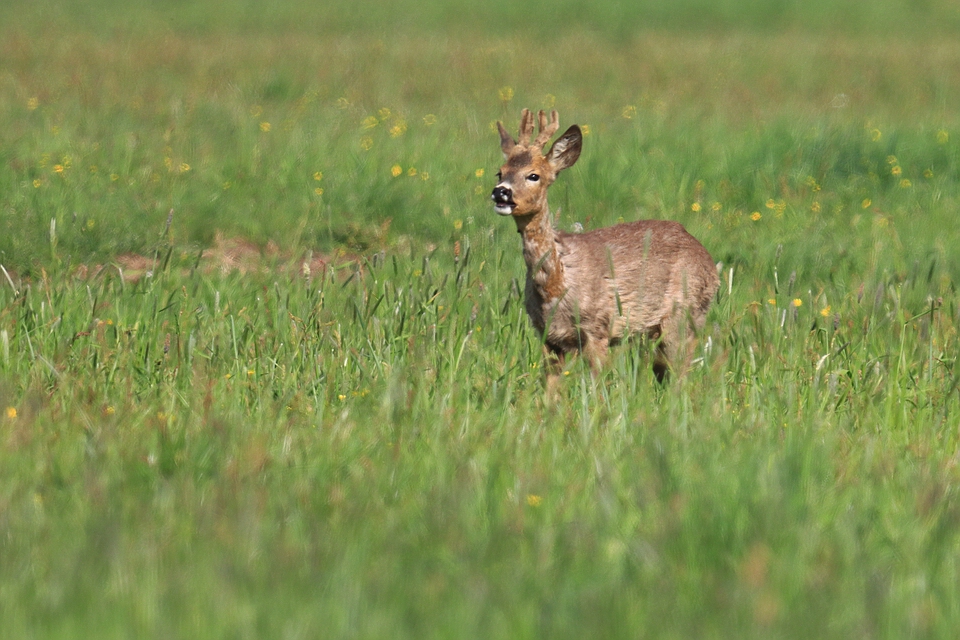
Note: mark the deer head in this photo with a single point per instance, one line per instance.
(527, 172)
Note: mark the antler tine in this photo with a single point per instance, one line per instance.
(547, 130)
(526, 127)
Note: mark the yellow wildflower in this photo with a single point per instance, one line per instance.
(695, 207)
(875, 135)
(412, 171)
(797, 302)
(396, 170)
(772, 301)
(366, 143)
(11, 412)
(506, 94)
(318, 191)
(429, 119)
(369, 122)
(755, 216)
(896, 170)
(33, 103)
(905, 184)
(317, 175)
(629, 112)
(264, 126)
(479, 172)
(815, 207)
(534, 500)
(866, 203)
(825, 312)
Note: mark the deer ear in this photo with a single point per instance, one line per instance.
(566, 149)
(506, 141)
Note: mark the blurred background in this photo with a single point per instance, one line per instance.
(285, 122)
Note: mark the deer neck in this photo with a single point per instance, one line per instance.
(544, 268)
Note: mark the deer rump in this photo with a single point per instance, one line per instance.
(645, 277)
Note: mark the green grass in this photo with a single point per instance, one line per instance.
(361, 448)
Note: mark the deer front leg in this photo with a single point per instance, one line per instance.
(595, 351)
(553, 360)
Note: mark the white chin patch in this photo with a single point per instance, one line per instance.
(504, 209)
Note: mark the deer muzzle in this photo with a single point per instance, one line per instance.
(503, 200)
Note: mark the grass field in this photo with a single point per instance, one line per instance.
(265, 370)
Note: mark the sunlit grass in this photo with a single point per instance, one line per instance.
(265, 369)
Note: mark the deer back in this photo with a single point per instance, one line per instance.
(629, 278)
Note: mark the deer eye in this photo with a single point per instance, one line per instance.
(533, 177)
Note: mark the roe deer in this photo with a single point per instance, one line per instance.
(587, 291)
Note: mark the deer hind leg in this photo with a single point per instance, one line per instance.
(677, 345)
(661, 361)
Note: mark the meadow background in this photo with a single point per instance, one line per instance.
(265, 370)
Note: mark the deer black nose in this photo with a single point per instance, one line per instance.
(502, 194)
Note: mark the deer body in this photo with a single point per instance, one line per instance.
(587, 291)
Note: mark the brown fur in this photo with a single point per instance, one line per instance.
(587, 291)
